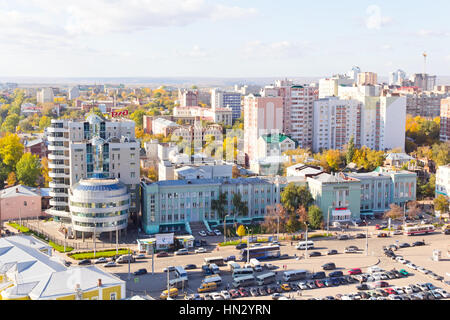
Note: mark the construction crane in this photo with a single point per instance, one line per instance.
(425, 63)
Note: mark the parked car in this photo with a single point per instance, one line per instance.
(335, 274)
(84, 262)
(351, 249)
(241, 246)
(397, 232)
(286, 287)
(360, 236)
(181, 252)
(270, 266)
(318, 275)
(190, 267)
(225, 294)
(234, 293)
(217, 232)
(418, 243)
(363, 287)
(110, 264)
(332, 252)
(140, 272)
(140, 256)
(169, 268)
(354, 271)
(162, 254)
(315, 254)
(230, 258)
(403, 272)
(200, 250)
(382, 235)
(276, 296)
(210, 233)
(329, 266)
(404, 245)
(101, 260)
(202, 233)
(343, 237)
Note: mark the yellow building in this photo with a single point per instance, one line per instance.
(27, 272)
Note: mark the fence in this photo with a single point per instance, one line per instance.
(76, 245)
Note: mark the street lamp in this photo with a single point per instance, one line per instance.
(248, 245)
(328, 219)
(306, 240)
(367, 237)
(225, 229)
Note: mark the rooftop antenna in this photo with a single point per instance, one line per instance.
(425, 63)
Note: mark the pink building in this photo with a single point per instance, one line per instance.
(20, 202)
(445, 120)
(261, 115)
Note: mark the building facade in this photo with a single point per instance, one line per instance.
(224, 99)
(443, 181)
(367, 78)
(445, 120)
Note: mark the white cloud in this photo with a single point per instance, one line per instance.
(386, 47)
(375, 20)
(432, 33)
(274, 50)
(195, 52)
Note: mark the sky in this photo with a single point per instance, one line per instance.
(221, 38)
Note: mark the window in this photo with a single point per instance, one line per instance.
(113, 296)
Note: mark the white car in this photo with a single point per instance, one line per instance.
(408, 290)
(217, 296)
(217, 232)
(225, 294)
(399, 290)
(444, 293)
(397, 232)
(411, 265)
(202, 233)
(200, 250)
(404, 261)
(303, 286)
(110, 264)
(181, 252)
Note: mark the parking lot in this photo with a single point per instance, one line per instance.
(153, 284)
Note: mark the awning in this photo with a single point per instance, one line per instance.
(366, 214)
(345, 212)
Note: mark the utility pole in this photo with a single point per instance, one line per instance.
(95, 225)
(306, 252)
(328, 219)
(129, 261)
(367, 237)
(225, 229)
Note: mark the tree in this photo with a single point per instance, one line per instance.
(138, 117)
(315, 217)
(45, 171)
(152, 174)
(240, 207)
(275, 214)
(44, 122)
(295, 196)
(395, 212)
(241, 231)
(12, 179)
(10, 123)
(218, 205)
(28, 169)
(441, 153)
(235, 172)
(413, 210)
(441, 203)
(350, 151)
(11, 150)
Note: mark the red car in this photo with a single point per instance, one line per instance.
(319, 284)
(390, 291)
(234, 293)
(354, 271)
(243, 292)
(377, 227)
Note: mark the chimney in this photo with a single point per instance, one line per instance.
(99, 283)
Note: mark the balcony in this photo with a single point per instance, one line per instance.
(53, 212)
(59, 175)
(58, 203)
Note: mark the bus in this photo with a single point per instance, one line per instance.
(233, 265)
(260, 253)
(266, 278)
(419, 229)
(217, 260)
(179, 283)
(303, 245)
(180, 272)
(256, 265)
(242, 272)
(244, 281)
(294, 275)
(214, 268)
(214, 278)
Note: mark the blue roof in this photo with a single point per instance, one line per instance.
(99, 187)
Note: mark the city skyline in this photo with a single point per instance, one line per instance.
(224, 38)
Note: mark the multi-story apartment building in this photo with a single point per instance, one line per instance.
(85, 149)
(262, 115)
(274, 145)
(423, 81)
(367, 78)
(188, 98)
(329, 87)
(443, 181)
(217, 115)
(445, 120)
(335, 122)
(397, 77)
(74, 93)
(224, 99)
(424, 104)
(44, 95)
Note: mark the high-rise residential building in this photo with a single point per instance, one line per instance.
(188, 98)
(367, 78)
(443, 181)
(44, 95)
(91, 148)
(74, 93)
(445, 120)
(423, 81)
(262, 115)
(397, 77)
(335, 122)
(329, 87)
(298, 103)
(424, 104)
(224, 99)
(353, 74)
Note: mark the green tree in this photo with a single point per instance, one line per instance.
(441, 203)
(441, 153)
(350, 151)
(11, 150)
(28, 169)
(295, 196)
(240, 207)
(315, 217)
(138, 117)
(218, 204)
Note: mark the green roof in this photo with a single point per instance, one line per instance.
(274, 138)
(298, 87)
